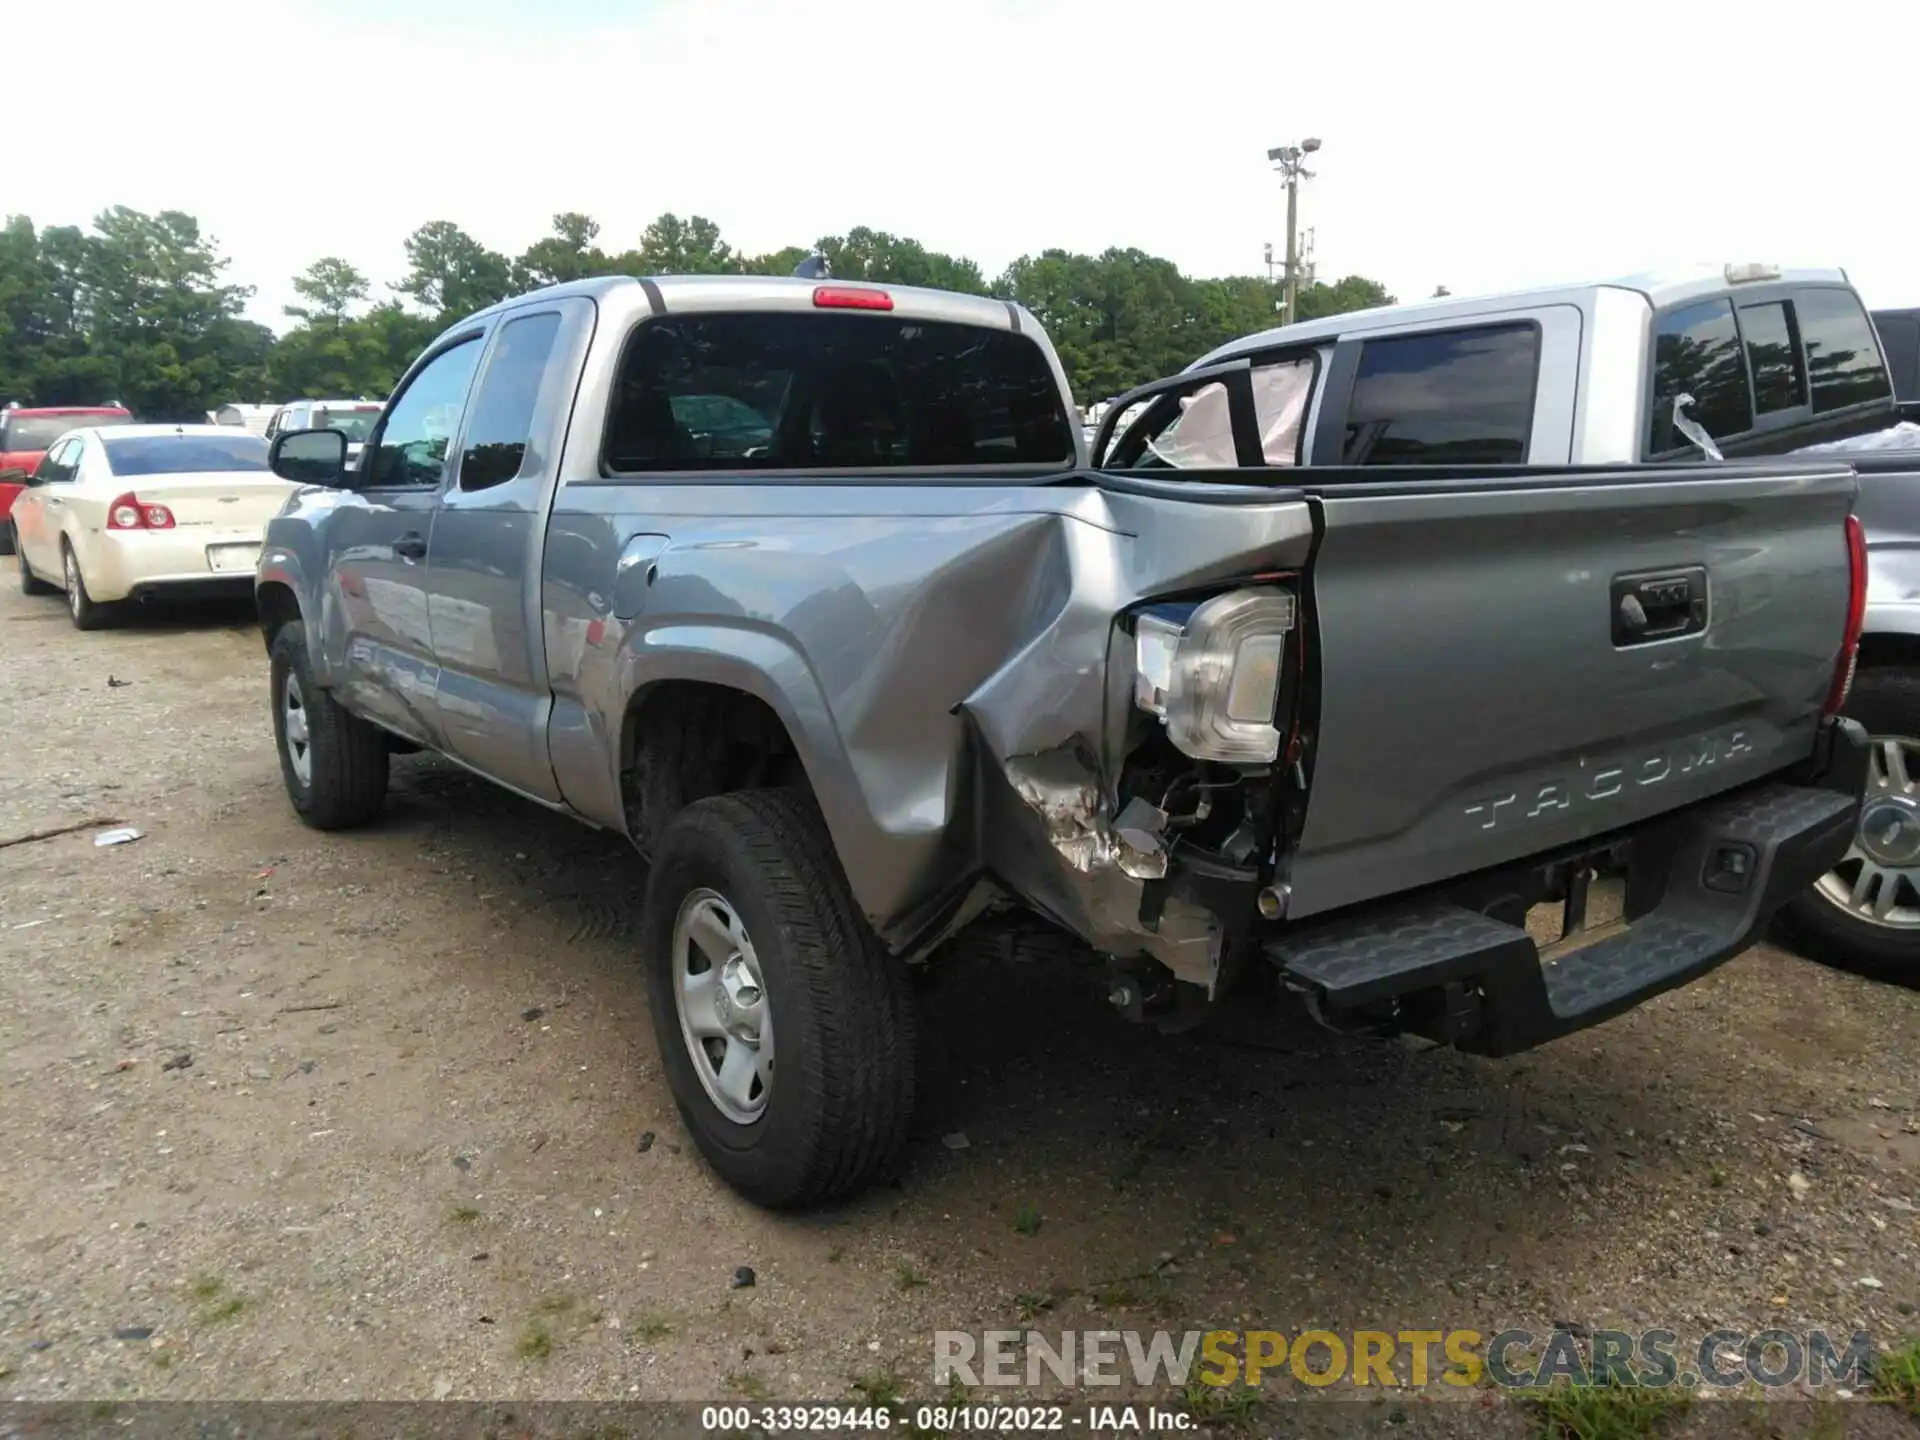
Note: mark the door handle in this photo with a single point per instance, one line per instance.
(1661, 606)
(411, 546)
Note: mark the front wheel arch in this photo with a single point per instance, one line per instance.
(278, 608)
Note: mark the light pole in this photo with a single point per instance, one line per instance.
(1290, 161)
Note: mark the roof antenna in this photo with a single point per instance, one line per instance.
(814, 267)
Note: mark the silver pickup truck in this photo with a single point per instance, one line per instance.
(1699, 363)
(808, 590)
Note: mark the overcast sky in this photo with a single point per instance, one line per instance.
(1476, 145)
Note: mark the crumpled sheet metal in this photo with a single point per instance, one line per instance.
(1047, 727)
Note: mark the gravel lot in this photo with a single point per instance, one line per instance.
(422, 1147)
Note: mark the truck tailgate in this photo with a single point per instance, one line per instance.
(1511, 666)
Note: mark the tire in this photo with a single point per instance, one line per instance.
(9, 542)
(30, 583)
(86, 612)
(835, 1111)
(1886, 700)
(338, 778)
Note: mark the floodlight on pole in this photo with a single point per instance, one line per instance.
(1287, 159)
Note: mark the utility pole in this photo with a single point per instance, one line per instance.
(1290, 161)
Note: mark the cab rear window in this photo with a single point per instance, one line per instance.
(831, 392)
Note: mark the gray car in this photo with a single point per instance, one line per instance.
(808, 591)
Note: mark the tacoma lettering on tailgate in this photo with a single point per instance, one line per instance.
(1604, 785)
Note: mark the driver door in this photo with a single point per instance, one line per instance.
(37, 509)
(380, 646)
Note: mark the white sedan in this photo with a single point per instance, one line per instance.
(142, 511)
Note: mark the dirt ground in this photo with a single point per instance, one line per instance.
(422, 1146)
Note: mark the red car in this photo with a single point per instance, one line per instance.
(24, 437)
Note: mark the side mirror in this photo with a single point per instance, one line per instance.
(309, 457)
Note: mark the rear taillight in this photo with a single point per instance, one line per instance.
(851, 297)
(1849, 656)
(130, 512)
(1213, 674)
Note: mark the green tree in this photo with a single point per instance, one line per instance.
(450, 274)
(673, 246)
(1353, 292)
(155, 313)
(567, 254)
(1118, 319)
(863, 254)
(362, 355)
(331, 287)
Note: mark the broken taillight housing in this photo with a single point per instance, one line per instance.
(1213, 677)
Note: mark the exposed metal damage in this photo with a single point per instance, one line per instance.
(1116, 856)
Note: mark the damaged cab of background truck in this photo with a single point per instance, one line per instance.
(807, 589)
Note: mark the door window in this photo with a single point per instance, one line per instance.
(412, 450)
(1445, 397)
(502, 422)
(1696, 351)
(57, 465)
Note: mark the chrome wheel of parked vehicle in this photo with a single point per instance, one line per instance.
(1864, 914)
(293, 708)
(722, 1003)
(1879, 880)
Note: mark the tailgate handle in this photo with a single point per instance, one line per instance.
(1659, 605)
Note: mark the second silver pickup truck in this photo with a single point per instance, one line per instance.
(807, 589)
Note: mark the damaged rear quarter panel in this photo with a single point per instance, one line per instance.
(939, 654)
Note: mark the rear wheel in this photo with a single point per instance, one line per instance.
(86, 612)
(785, 1029)
(1864, 914)
(30, 583)
(333, 762)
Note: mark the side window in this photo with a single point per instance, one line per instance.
(1843, 358)
(57, 466)
(411, 452)
(1448, 397)
(1696, 351)
(502, 421)
(1779, 381)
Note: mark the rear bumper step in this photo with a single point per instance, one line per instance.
(1700, 886)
